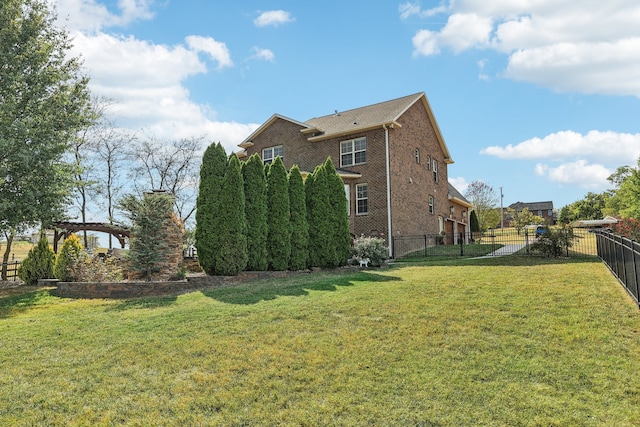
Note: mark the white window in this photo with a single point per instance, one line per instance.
(417, 155)
(431, 209)
(270, 154)
(428, 162)
(353, 152)
(539, 213)
(550, 212)
(435, 170)
(362, 199)
(347, 192)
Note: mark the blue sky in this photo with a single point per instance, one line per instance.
(539, 98)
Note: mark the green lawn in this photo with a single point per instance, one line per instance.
(504, 342)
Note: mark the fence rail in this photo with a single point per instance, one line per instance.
(622, 256)
(492, 243)
(12, 270)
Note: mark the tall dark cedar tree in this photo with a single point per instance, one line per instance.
(43, 104)
(212, 170)
(231, 258)
(320, 215)
(255, 196)
(278, 241)
(299, 226)
(340, 223)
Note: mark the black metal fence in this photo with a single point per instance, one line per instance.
(622, 255)
(12, 270)
(491, 243)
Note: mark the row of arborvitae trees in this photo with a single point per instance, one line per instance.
(258, 217)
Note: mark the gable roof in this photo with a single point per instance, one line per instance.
(247, 141)
(383, 114)
(456, 196)
(533, 206)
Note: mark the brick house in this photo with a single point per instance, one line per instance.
(391, 157)
(541, 209)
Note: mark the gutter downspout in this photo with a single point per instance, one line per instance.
(389, 231)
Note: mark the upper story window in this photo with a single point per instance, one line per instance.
(269, 154)
(431, 208)
(417, 155)
(435, 170)
(428, 162)
(353, 152)
(550, 212)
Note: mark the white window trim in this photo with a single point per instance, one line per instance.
(352, 151)
(362, 198)
(436, 178)
(347, 192)
(271, 151)
(431, 202)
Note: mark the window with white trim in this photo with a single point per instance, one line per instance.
(428, 162)
(417, 155)
(362, 199)
(431, 208)
(435, 170)
(353, 152)
(269, 154)
(347, 192)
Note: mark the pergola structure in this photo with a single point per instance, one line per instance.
(65, 229)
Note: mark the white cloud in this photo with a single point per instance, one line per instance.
(587, 47)
(273, 18)
(263, 54)
(609, 147)
(579, 173)
(89, 15)
(575, 159)
(459, 183)
(217, 50)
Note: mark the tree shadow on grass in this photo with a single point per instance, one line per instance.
(506, 260)
(144, 302)
(299, 285)
(14, 301)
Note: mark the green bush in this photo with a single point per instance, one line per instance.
(231, 257)
(371, 248)
(71, 254)
(278, 217)
(38, 264)
(299, 226)
(554, 242)
(255, 197)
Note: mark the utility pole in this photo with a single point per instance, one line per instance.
(501, 212)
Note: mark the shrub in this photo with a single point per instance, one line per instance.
(70, 255)
(371, 248)
(554, 242)
(298, 221)
(38, 264)
(231, 257)
(255, 197)
(278, 216)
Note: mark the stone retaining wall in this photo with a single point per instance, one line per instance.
(145, 289)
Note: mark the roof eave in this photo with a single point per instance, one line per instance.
(325, 136)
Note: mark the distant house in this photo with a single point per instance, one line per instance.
(541, 209)
(391, 156)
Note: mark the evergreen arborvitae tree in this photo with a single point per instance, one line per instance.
(70, 254)
(299, 226)
(340, 221)
(278, 212)
(38, 264)
(319, 215)
(231, 257)
(214, 165)
(473, 222)
(255, 196)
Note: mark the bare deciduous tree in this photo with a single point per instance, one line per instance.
(484, 200)
(172, 166)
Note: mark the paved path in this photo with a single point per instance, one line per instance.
(505, 250)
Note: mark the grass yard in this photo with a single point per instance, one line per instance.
(504, 342)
